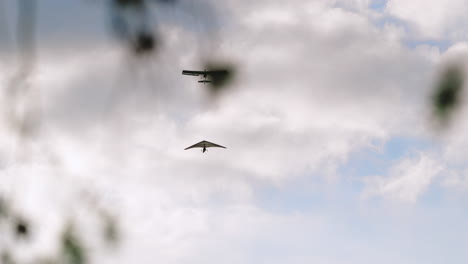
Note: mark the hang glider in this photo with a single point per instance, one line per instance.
(205, 74)
(204, 144)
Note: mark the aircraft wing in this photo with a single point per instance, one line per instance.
(205, 144)
(192, 73)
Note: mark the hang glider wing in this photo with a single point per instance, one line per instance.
(205, 144)
(192, 73)
(211, 145)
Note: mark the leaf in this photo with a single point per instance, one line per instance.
(21, 228)
(6, 258)
(3, 208)
(446, 98)
(144, 43)
(111, 231)
(223, 75)
(72, 250)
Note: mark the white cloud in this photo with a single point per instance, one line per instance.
(457, 180)
(316, 83)
(432, 19)
(406, 181)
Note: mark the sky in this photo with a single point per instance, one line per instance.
(332, 155)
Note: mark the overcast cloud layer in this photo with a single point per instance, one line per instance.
(331, 156)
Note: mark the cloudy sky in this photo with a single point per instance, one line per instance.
(332, 155)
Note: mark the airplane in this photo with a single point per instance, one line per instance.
(205, 74)
(204, 144)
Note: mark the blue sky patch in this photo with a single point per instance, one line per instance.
(378, 5)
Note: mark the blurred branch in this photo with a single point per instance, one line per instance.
(26, 33)
(4, 31)
(22, 109)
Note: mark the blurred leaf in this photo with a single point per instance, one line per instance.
(448, 90)
(72, 250)
(3, 208)
(111, 232)
(132, 25)
(222, 76)
(6, 258)
(21, 228)
(144, 43)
